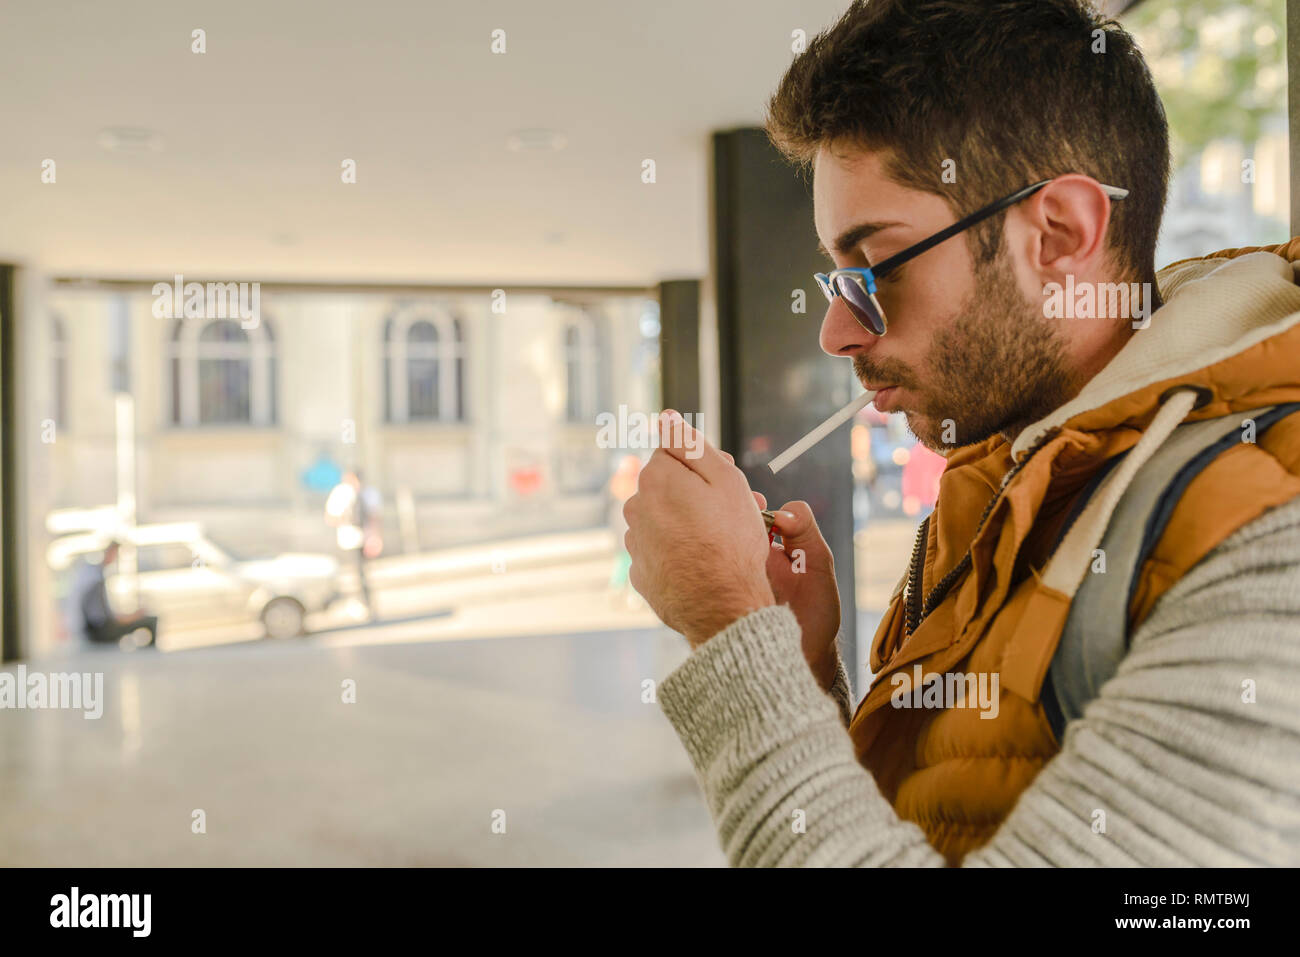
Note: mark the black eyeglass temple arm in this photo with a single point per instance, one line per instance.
(893, 262)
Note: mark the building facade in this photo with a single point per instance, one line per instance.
(473, 413)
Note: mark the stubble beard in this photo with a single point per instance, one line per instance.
(996, 366)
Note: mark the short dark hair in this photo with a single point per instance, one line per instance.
(1010, 90)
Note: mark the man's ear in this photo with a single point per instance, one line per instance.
(1064, 226)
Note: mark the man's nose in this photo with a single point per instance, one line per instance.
(841, 333)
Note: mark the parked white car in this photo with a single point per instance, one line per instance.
(190, 581)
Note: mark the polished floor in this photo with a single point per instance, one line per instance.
(550, 730)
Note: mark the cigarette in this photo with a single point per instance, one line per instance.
(819, 433)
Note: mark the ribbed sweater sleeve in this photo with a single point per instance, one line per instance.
(841, 692)
(1189, 756)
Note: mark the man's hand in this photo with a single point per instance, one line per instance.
(801, 571)
(695, 535)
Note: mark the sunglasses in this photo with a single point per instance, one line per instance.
(857, 287)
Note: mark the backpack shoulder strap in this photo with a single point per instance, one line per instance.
(1095, 637)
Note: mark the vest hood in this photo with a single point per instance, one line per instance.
(1215, 309)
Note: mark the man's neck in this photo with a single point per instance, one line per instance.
(1087, 365)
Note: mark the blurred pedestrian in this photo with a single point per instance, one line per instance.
(921, 480)
(353, 508)
(622, 486)
(100, 623)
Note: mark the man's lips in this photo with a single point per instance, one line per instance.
(885, 392)
(883, 396)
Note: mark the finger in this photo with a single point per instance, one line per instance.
(687, 445)
(778, 563)
(664, 475)
(797, 526)
(760, 498)
(731, 459)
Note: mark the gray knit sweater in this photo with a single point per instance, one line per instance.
(1186, 772)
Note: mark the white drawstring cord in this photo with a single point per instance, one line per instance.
(1071, 560)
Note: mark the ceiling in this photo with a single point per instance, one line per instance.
(247, 182)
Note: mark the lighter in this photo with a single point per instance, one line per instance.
(769, 517)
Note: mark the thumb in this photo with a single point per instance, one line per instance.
(797, 527)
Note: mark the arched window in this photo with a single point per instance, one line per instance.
(222, 373)
(424, 367)
(581, 369)
(422, 371)
(59, 372)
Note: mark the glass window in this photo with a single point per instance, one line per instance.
(222, 373)
(225, 373)
(581, 369)
(424, 367)
(422, 360)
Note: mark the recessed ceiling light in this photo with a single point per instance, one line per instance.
(130, 139)
(535, 141)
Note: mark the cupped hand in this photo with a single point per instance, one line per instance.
(801, 571)
(695, 535)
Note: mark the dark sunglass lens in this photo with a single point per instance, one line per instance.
(860, 304)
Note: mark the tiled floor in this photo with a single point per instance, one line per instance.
(549, 729)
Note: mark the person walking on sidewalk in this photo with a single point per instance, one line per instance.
(353, 508)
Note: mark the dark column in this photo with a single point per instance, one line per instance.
(776, 383)
(9, 517)
(679, 344)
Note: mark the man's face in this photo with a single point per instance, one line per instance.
(967, 347)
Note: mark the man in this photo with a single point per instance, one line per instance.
(100, 623)
(353, 508)
(914, 114)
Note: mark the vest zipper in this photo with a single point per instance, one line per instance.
(911, 596)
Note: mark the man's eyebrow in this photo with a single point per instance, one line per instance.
(849, 239)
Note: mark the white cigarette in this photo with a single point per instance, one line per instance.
(819, 433)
